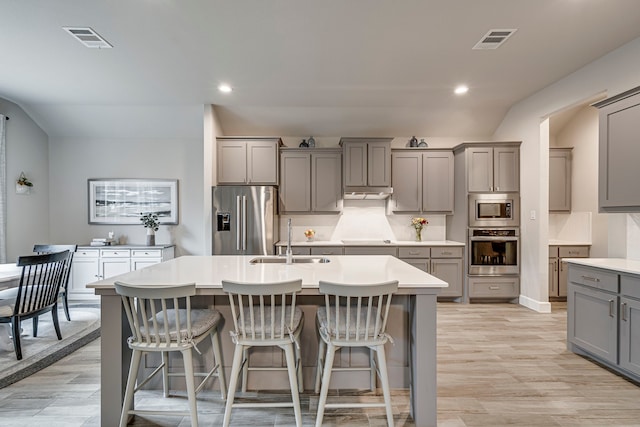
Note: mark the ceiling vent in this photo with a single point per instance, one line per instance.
(88, 37)
(494, 39)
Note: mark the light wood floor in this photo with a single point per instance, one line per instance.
(498, 365)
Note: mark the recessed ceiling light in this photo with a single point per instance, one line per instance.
(225, 88)
(461, 90)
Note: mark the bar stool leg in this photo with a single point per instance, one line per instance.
(322, 349)
(384, 379)
(293, 381)
(217, 354)
(191, 388)
(372, 370)
(131, 385)
(233, 383)
(326, 377)
(245, 369)
(165, 373)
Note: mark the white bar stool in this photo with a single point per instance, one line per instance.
(265, 314)
(353, 316)
(159, 324)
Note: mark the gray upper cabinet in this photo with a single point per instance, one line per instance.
(326, 181)
(560, 179)
(367, 162)
(422, 181)
(619, 151)
(310, 180)
(406, 167)
(295, 181)
(493, 168)
(437, 181)
(247, 161)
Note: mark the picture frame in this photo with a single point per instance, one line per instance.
(121, 201)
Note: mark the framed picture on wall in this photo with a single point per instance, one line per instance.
(121, 201)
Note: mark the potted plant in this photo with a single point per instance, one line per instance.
(151, 223)
(417, 223)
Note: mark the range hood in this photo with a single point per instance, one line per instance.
(367, 193)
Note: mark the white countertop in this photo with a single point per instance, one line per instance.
(209, 271)
(554, 242)
(369, 242)
(616, 264)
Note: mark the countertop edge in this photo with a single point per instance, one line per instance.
(84, 247)
(381, 244)
(621, 265)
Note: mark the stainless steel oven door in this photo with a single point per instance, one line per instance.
(494, 255)
(494, 210)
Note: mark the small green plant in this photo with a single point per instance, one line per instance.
(150, 220)
(23, 180)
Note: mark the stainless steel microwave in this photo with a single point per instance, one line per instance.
(494, 210)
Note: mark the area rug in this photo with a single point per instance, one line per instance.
(45, 349)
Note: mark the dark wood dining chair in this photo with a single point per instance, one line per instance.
(64, 289)
(36, 294)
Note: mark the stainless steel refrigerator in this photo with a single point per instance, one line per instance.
(245, 220)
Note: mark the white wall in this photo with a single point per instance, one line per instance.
(581, 133)
(74, 160)
(27, 151)
(614, 73)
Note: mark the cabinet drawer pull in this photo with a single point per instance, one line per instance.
(447, 253)
(414, 252)
(494, 288)
(591, 279)
(611, 308)
(623, 307)
(327, 253)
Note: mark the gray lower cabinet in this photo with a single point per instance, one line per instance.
(603, 317)
(295, 250)
(558, 268)
(327, 250)
(445, 263)
(493, 288)
(593, 324)
(630, 323)
(560, 179)
(422, 180)
(619, 151)
(247, 161)
(371, 250)
(310, 181)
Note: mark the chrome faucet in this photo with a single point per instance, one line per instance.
(289, 252)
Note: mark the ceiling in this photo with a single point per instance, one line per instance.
(298, 67)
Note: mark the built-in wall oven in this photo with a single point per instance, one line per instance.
(494, 251)
(494, 210)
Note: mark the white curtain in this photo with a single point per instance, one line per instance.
(3, 191)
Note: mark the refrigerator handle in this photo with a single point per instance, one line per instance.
(238, 221)
(244, 223)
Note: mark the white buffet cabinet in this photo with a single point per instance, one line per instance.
(91, 264)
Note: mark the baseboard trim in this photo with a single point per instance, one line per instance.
(539, 306)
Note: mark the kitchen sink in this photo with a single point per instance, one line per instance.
(283, 260)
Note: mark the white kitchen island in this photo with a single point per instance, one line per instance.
(207, 272)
